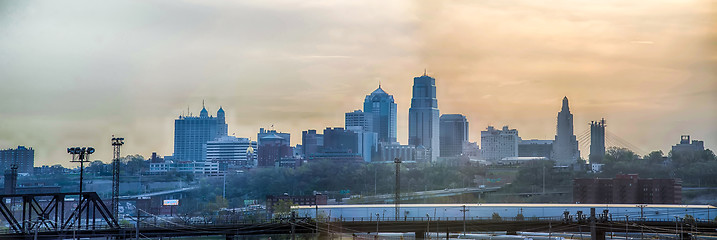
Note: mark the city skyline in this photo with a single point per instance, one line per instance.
(68, 82)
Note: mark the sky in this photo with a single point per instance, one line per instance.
(73, 73)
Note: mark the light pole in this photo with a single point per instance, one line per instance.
(464, 219)
(81, 155)
(377, 220)
(626, 224)
(428, 227)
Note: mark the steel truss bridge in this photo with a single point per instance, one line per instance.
(55, 216)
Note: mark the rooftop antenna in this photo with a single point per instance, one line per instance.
(424, 72)
(379, 83)
(202, 103)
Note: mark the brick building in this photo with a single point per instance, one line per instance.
(627, 188)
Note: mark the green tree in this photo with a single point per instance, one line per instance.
(283, 206)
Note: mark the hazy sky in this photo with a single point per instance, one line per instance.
(72, 73)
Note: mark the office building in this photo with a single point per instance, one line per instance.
(350, 143)
(390, 151)
(498, 144)
(535, 148)
(192, 133)
(272, 148)
(627, 189)
(423, 116)
(22, 157)
(311, 142)
(381, 107)
(360, 119)
(231, 151)
(454, 134)
(597, 141)
(565, 147)
(685, 146)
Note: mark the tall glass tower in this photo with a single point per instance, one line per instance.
(565, 147)
(423, 116)
(383, 110)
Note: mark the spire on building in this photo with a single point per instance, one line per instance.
(204, 112)
(565, 104)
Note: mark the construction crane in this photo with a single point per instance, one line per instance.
(116, 144)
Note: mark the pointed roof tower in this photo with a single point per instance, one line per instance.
(204, 112)
(565, 104)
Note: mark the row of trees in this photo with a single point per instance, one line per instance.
(337, 179)
(694, 168)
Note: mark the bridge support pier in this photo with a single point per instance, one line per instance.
(229, 237)
(420, 235)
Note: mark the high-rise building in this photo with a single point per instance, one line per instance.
(361, 119)
(454, 134)
(272, 148)
(597, 141)
(22, 157)
(311, 142)
(382, 108)
(232, 151)
(423, 123)
(565, 147)
(192, 133)
(498, 144)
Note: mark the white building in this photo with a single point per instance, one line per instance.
(198, 168)
(498, 144)
(232, 151)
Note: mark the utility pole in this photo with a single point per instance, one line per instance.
(464, 219)
(397, 198)
(116, 145)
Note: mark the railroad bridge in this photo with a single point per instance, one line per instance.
(57, 215)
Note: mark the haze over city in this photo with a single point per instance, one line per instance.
(74, 73)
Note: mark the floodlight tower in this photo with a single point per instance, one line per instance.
(116, 144)
(81, 155)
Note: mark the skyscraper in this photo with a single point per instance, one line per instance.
(192, 133)
(423, 123)
(454, 134)
(565, 147)
(380, 105)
